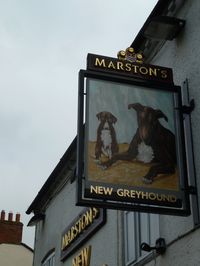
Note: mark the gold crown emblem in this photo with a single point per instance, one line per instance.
(130, 55)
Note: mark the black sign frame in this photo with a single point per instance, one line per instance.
(149, 205)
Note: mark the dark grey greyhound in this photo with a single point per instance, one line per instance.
(153, 134)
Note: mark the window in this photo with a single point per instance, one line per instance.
(49, 259)
(138, 228)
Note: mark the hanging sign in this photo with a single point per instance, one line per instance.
(131, 152)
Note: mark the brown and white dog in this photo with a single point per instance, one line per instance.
(106, 143)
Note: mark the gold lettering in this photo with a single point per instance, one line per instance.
(132, 192)
(85, 220)
(120, 65)
(79, 226)
(108, 190)
(120, 192)
(165, 197)
(152, 196)
(173, 198)
(77, 261)
(83, 258)
(95, 213)
(128, 67)
(99, 62)
(94, 189)
(153, 72)
(138, 193)
(126, 193)
(74, 262)
(101, 190)
(87, 217)
(82, 222)
(65, 240)
(111, 65)
(135, 68)
(86, 254)
(144, 195)
(159, 197)
(72, 233)
(164, 74)
(143, 70)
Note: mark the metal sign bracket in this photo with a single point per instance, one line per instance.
(192, 186)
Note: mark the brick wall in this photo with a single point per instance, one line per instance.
(10, 229)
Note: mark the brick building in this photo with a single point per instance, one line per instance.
(12, 251)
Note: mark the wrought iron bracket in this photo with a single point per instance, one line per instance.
(187, 109)
(160, 246)
(191, 190)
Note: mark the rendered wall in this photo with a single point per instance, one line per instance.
(59, 214)
(183, 56)
(15, 255)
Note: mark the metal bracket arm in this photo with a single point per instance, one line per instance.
(187, 109)
(191, 190)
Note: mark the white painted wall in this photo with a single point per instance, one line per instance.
(183, 56)
(59, 214)
(15, 255)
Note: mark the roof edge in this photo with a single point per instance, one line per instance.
(52, 176)
(157, 10)
(149, 47)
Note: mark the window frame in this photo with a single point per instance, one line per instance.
(152, 233)
(49, 258)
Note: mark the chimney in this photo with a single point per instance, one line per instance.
(17, 219)
(3, 214)
(10, 216)
(10, 230)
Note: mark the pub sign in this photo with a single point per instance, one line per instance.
(131, 152)
(80, 230)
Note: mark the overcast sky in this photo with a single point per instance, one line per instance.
(43, 44)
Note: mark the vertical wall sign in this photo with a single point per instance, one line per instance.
(131, 152)
(83, 258)
(81, 229)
